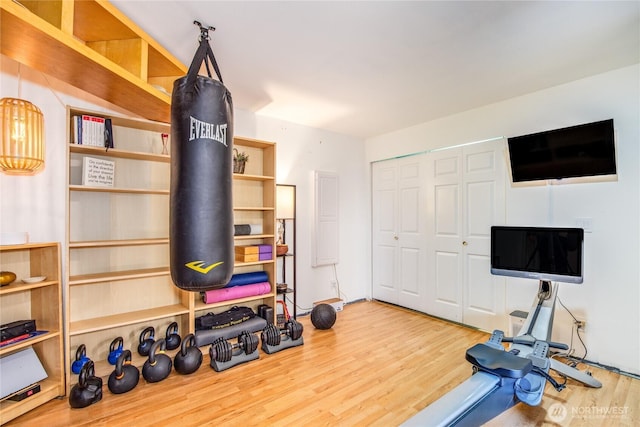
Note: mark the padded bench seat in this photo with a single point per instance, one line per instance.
(499, 362)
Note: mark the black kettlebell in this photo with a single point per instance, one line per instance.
(88, 390)
(146, 340)
(81, 359)
(158, 366)
(125, 377)
(189, 358)
(115, 350)
(172, 338)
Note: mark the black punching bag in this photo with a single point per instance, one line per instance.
(201, 217)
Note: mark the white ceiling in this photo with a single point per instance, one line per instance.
(364, 68)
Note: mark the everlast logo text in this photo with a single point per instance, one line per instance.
(203, 130)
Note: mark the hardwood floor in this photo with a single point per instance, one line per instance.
(378, 366)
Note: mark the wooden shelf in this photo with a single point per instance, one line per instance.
(94, 47)
(254, 236)
(241, 176)
(122, 154)
(80, 327)
(247, 264)
(50, 388)
(253, 208)
(112, 276)
(118, 190)
(43, 303)
(254, 143)
(29, 342)
(22, 287)
(113, 243)
(199, 306)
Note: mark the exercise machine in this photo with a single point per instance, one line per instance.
(504, 378)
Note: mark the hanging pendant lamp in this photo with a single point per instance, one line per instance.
(21, 137)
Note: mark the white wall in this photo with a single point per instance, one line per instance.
(36, 204)
(609, 298)
(301, 151)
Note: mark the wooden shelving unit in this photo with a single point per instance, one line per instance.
(118, 279)
(94, 47)
(254, 201)
(42, 302)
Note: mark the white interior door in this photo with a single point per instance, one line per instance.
(384, 178)
(411, 232)
(399, 231)
(467, 194)
(483, 206)
(445, 232)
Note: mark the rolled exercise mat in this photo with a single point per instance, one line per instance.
(207, 337)
(225, 294)
(242, 229)
(242, 279)
(201, 207)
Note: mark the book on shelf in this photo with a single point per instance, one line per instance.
(93, 131)
(108, 134)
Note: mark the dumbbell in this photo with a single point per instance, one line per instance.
(222, 350)
(224, 354)
(275, 339)
(272, 335)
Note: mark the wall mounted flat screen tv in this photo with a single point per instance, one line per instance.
(543, 253)
(586, 150)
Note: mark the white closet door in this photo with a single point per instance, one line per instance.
(484, 206)
(445, 232)
(384, 239)
(411, 231)
(399, 266)
(467, 193)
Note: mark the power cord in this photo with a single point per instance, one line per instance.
(577, 324)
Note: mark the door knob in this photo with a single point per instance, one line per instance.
(395, 237)
(464, 243)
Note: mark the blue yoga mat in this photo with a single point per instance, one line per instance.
(247, 278)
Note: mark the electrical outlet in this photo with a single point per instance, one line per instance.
(580, 324)
(585, 223)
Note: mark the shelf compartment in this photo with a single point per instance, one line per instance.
(254, 236)
(28, 342)
(200, 306)
(86, 326)
(245, 177)
(33, 41)
(49, 389)
(121, 154)
(247, 264)
(117, 190)
(22, 287)
(253, 208)
(113, 276)
(113, 243)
